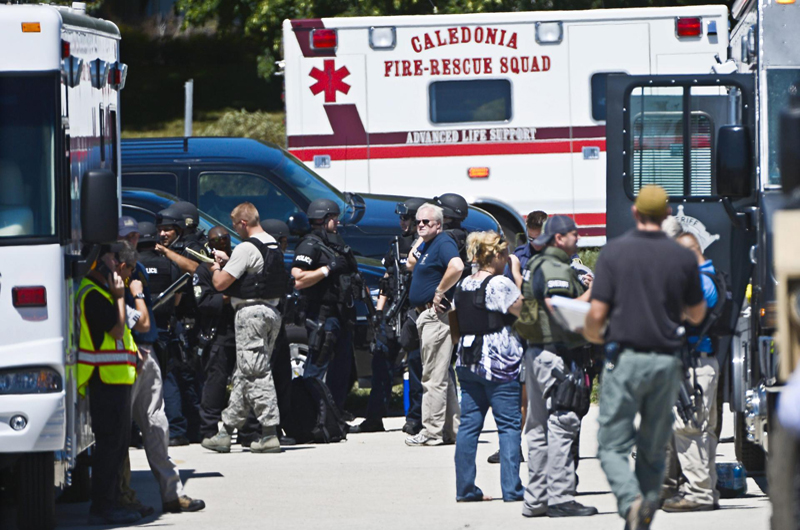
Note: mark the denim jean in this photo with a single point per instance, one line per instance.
(477, 395)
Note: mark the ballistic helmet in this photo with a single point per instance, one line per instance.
(275, 228)
(319, 208)
(409, 206)
(171, 216)
(189, 213)
(455, 206)
(147, 232)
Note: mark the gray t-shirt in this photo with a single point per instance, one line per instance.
(648, 280)
(246, 258)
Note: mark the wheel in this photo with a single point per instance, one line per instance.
(751, 455)
(783, 473)
(36, 507)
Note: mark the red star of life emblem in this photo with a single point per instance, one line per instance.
(329, 80)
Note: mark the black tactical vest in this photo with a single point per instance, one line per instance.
(473, 317)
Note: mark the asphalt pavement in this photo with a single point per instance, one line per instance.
(375, 481)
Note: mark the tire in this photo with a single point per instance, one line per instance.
(783, 473)
(751, 455)
(36, 508)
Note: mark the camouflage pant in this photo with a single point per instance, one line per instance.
(256, 328)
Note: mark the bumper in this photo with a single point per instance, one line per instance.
(46, 422)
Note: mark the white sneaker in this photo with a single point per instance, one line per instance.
(423, 439)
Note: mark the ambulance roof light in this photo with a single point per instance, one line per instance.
(382, 38)
(29, 296)
(478, 172)
(323, 39)
(688, 27)
(549, 32)
(117, 74)
(64, 49)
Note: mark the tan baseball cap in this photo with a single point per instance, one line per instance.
(652, 201)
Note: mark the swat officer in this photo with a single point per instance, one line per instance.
(178, 227)
(386, 345)
(551, 426)
(324, 268)
(455, 209)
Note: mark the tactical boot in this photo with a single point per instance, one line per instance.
(268, 443)
(220, 442)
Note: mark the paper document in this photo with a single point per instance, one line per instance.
(570, 313)
(201, 257)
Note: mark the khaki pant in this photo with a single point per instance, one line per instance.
(692, 453)
(440, 410)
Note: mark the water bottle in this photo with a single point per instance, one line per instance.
(406, 393)
(731, 480)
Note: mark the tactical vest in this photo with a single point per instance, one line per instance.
(116, 359)
(473, 317)
(159, 270)
(337, 290)
(543, 329)
(459, 235)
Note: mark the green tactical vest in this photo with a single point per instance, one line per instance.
(535, 324)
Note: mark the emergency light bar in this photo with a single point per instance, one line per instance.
(323, 39)
(688, 26)
(99, 70)
(549, 32)
(71, 68)
(64, 49)
(382, 38)
(117, 74)
(35, 296)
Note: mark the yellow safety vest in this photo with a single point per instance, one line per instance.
(116, 359)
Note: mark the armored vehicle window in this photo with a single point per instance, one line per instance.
(779, 81)
(219, 193)
(470, 101)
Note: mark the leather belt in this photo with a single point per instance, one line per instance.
(421, 308)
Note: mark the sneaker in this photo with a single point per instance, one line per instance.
(494, 458)
(266, 444)
(423, 439)
(287, 440)
(368, 425)
(640, 514)
(679, 503)
(220, 442)
(184, 503)
(412, 427)
(115, 516)
(570, 509)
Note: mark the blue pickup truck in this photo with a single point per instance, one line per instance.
(216, 174)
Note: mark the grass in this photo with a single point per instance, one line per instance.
(356, 401)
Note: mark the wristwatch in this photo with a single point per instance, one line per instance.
(139, 296)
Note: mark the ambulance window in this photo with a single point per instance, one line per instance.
(598, 83)
(470, 101)
(219, 193)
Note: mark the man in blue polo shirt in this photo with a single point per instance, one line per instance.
(437, 269)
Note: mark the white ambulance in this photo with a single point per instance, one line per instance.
(60, 80)
(507, 109)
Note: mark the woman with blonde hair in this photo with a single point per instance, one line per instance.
(488, 365)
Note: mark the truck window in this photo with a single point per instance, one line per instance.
(779, 81)
(166, 182)
(598, 86)
(220, 192)
(27, 165)
(479, 100)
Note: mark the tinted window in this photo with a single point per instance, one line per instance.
(220, 193)
(599, 95)
(470, 101)
(140, 214)
(167, 182)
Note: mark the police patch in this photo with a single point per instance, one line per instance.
(195, 279)
(198, 292)
(304, 259)
(557, 284)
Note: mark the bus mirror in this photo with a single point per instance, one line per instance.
(733, 161)
(299, 225)
(789, 140)
(99, 207)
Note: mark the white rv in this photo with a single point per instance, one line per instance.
(507, 109)
(60, 78)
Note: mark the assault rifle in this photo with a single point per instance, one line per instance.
(171, 291)
(402, 284)
(689, 406)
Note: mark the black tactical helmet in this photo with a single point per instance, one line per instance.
(275, 228)
(171, 216)
(147, 233)
(319, 208)
(189, 213)
(455, 206)
(409, 206)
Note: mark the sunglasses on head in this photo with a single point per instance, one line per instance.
(425, 222)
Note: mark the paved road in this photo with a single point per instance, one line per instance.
(375, 481)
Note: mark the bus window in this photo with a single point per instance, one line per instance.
(481, 100)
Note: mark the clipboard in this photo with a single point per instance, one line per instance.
(570, 313)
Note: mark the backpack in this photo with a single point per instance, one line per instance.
(528, 321)
(315, 416)
(273, 281)
(720, 322)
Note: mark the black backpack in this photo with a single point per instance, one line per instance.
(274, 281)
(315, 418)
(720, 322)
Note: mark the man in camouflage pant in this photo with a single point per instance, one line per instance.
(256, 328)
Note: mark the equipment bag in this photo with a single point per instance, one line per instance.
(274, 281)
(315, 417)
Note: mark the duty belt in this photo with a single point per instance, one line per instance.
(425, 307)
(661, 351)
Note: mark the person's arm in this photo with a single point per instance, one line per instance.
(516, 270)
(305, 279)
(220, 278)
(116, 286)
(696, 313)
(184, 264)
(143, 324)
(451, 276)
(516, 307)
(596, 320)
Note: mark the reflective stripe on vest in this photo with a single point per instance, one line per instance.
(115, 359)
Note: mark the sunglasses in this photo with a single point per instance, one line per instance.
(425, 222)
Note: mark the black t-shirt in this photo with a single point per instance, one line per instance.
(647, 279)
(100, 314)
(211, 309)
(310, 255)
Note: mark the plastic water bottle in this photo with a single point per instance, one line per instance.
(731, 480)
(406, 393)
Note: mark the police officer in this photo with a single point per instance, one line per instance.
(519, 258)
(386, 345)
(279, 230)
(551, 426)
(324, 269)
(644, 286)
(455, 209)
(178, 227)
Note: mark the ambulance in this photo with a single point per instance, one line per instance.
(60, 82)
(507, 109)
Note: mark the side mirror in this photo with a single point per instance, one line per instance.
(99, 207)
(298, 224)
(733, 161)
(789, 140)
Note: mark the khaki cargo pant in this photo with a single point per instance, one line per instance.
(440, 410)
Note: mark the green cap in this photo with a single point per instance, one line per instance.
(652, 201)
